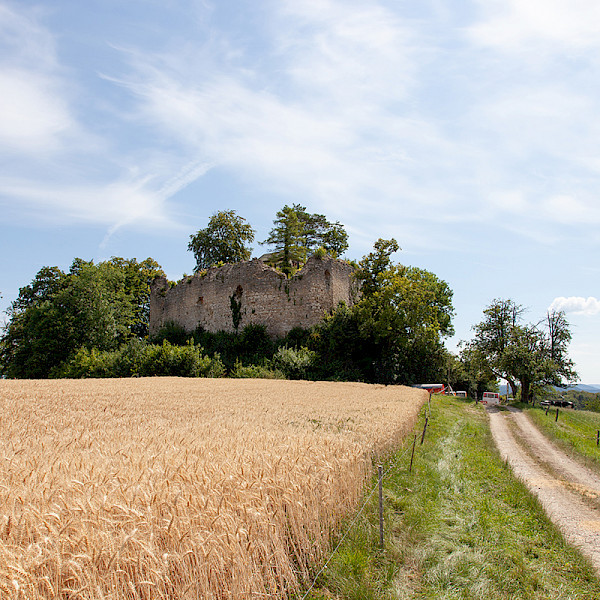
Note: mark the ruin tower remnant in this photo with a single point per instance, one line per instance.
(230, 297)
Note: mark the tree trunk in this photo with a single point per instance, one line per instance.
(525, 391)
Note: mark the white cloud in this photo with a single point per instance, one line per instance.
(79, 176)
(512, 24)
(128, 202)
(34, 105)
(33, 115)
(577, 305)
(331, 123)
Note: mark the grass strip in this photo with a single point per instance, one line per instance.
(575, 431)
(459, 526)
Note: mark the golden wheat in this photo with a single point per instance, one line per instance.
(182, 488)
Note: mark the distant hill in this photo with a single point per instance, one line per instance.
(592, 388)
(586, 387)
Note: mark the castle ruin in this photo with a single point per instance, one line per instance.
(230, 297)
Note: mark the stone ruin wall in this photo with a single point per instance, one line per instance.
(255, 293)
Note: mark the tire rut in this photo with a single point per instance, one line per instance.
(563, 486)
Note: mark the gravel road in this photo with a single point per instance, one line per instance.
(569, 492)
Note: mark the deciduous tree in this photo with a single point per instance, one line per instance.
(92, 306)
(532, 355)
(224, 240)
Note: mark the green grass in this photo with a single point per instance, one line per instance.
(575, 431)
(459, 526)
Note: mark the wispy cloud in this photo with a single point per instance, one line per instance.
(34, 104)
(337, 124)
(59, 166)
(577, 305)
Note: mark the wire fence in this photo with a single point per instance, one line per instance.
(391, 466)
(595, 436)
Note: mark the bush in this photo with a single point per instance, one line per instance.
(294, 362)
(251, 346)
(173, 333)
(139, 358)
(182, 361)
(255, 372)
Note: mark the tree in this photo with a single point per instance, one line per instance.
(288, 238)
(224, 240)
(492, 337)
(92, 306)
(393, 334)
(534, 355)
(296, 233)
(470, 373)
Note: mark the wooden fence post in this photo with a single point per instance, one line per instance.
(597, 437)
(547, 409)
(381, 506)
(413, 453)
(556, 419)
(424, 430)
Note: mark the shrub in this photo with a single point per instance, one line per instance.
(294, 362)
(182, 361)
(173, 333)
(255, 372)
(139, 358)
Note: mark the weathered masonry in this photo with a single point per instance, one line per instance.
(229, 297)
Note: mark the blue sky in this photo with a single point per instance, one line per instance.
(467, 130)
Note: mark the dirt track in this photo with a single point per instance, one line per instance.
(569, 492)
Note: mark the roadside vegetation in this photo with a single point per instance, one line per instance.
(459, 526)
(575, 431)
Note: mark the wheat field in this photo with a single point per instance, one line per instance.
(182, 488)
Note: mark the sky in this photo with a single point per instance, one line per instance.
(466, 130)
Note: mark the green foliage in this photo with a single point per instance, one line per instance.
(173, 333)
(534, 355)
(343, 353)
(183, 361)
(251, 346)
(140, 359)
(320, 253)
(393, 333)
(224, 240)
(296, 363)
(235, 303)
(255, 372)
(466, 372)
(404, 313)
(92, 306)
(296, 233)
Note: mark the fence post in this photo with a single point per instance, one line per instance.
(556, 419)
(381, 506)
(413, 453)
(547, 409)
(424, 430)
(597, 437)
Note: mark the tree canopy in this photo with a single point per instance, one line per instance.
(530, 355)
(296, 233)
(394, 333)
(224, 240)
(92, 306)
